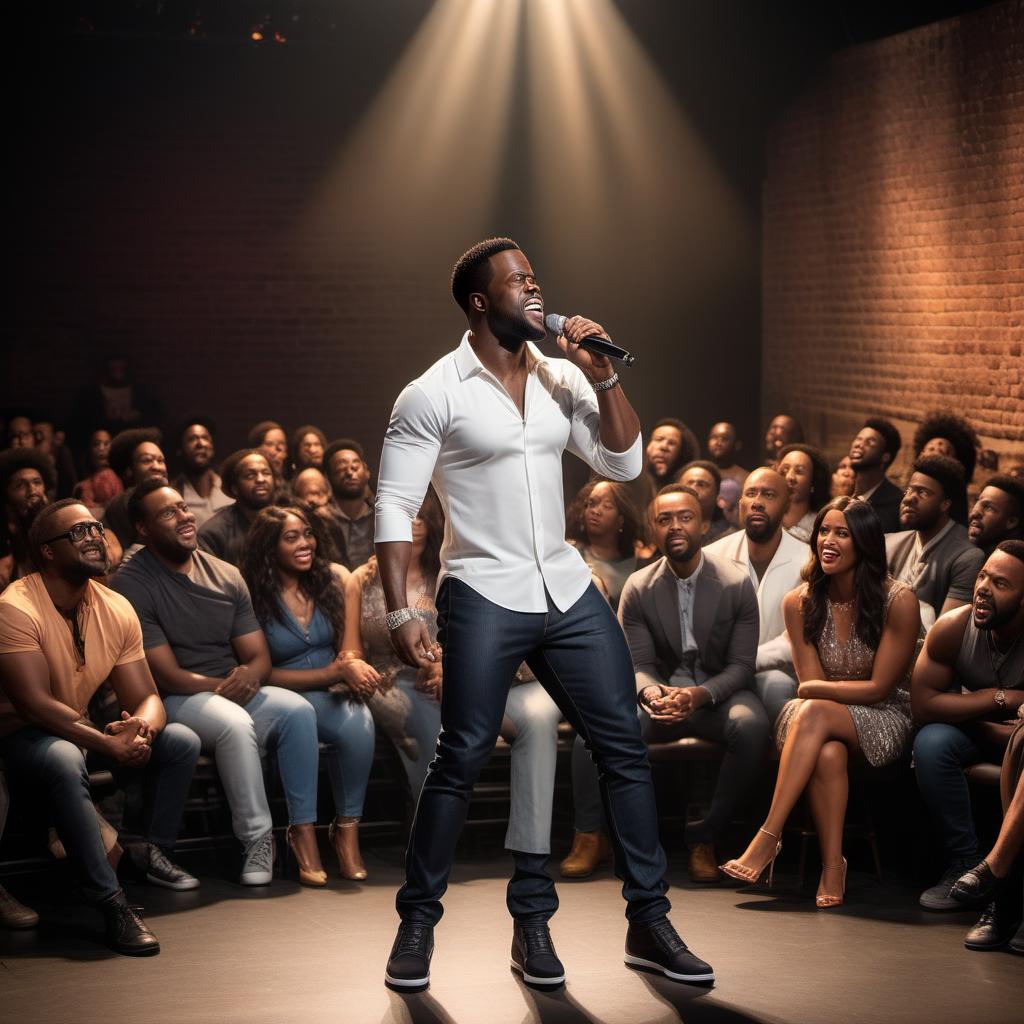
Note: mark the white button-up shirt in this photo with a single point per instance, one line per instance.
(498, 474)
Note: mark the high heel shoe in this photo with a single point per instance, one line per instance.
(344, 837)
(824, 899)
(734, 869)
(316, 877)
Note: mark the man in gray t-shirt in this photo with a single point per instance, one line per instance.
(210, 659)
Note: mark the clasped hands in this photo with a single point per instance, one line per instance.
(240, 685)
(672, 703)
(131, 740)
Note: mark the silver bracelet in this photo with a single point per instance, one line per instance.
(399, 617)
(605, 385)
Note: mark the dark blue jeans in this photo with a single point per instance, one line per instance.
(581, 658)
(46, 767)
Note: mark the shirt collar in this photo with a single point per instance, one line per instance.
(692, 578)
(468, 363)
(924, 548)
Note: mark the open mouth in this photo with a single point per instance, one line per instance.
(186, 532)
(974, 528)
(534, 306)
(829, 556)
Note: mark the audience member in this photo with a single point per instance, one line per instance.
(998, 514)
(307, 448)
(943, 433)
(932, 554)
(198, 483)
(773, 559)
(19, 432)
(704, 479)
(99, 484)
(117, 402)
(300, 603)
(723, 447)
(844, 480)
(671, 446)
(349, 476)
(605, 527)
(872, 453)
(311, 489)
(61, 637)
(999, 874)
(248, 478)
(209, 657)
(691, 623)
(270, 440)
(135, 456)
(853, 631)
(807, 476)
(25, 478)
(50, 442)
(968, 682)
(407, 703)
(729, 501)
(782, 430)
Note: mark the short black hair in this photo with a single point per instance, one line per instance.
(471, 272)
(949, 474)
(194, 421)
(123, 446)
(1011, 486)
(136, 496)
(674, 489)
(14, 459)
(1012, 547)
(821, 472)
(954, 429)
(229, 468)
(708, 467)
(260, 430)
(40, 527)
(893, 441)
(343, 444)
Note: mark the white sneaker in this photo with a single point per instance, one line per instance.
(258, 861)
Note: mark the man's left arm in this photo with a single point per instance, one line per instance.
(741, 654)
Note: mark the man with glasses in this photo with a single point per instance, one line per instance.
(210, 659)
(62, 636)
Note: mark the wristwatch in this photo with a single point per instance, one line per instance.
(1000, 699)
(399, 617)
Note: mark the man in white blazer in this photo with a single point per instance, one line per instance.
(773, 560)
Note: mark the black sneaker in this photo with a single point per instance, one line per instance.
(534, 956)
(409, 963)
(994, 930)
(151, 864)
(658, 947)
(126, 931)
(938, 898)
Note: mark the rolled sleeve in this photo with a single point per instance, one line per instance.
(411, 447)
(585, 436)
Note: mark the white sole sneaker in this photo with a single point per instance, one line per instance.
(532, 980)
(406, 982)
(182, 886)
(636, 961)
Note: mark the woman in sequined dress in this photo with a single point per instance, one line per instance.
(853, 631)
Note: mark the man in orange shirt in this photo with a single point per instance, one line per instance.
(61, 636)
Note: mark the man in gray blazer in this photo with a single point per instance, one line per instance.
(691, 621)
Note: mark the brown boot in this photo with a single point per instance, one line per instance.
(703, 865)
(14, 914)
(344, 836)
(589, 851)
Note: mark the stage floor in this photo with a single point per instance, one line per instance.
(285, 953)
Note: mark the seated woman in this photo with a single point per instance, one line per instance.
(299, 599)
(605, 527)
(406, 704)
(807, 476)
(853, 631)
(99, 483)
(998, 877)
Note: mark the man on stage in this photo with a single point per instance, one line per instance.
(488, 424)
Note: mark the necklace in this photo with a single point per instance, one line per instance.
(997, 658)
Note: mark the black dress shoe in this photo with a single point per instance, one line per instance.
(409, 963)
(994, 930)
(976, 885)
(658, 947)
(126, 931)
(534, 956)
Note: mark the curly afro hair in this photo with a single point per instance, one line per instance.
(471, 272)
(14, 459)
(122, 448)
(954, 429)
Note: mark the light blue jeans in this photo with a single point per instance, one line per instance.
(774, 686)
(274, 719)
(348, 728)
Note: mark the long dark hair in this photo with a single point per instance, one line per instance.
(259, 568)
(632, 524)
(869, 579)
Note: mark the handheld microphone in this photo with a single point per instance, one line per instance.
(595, 343)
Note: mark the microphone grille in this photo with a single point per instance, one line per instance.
(554, 323)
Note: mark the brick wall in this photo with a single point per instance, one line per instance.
(893, 236)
